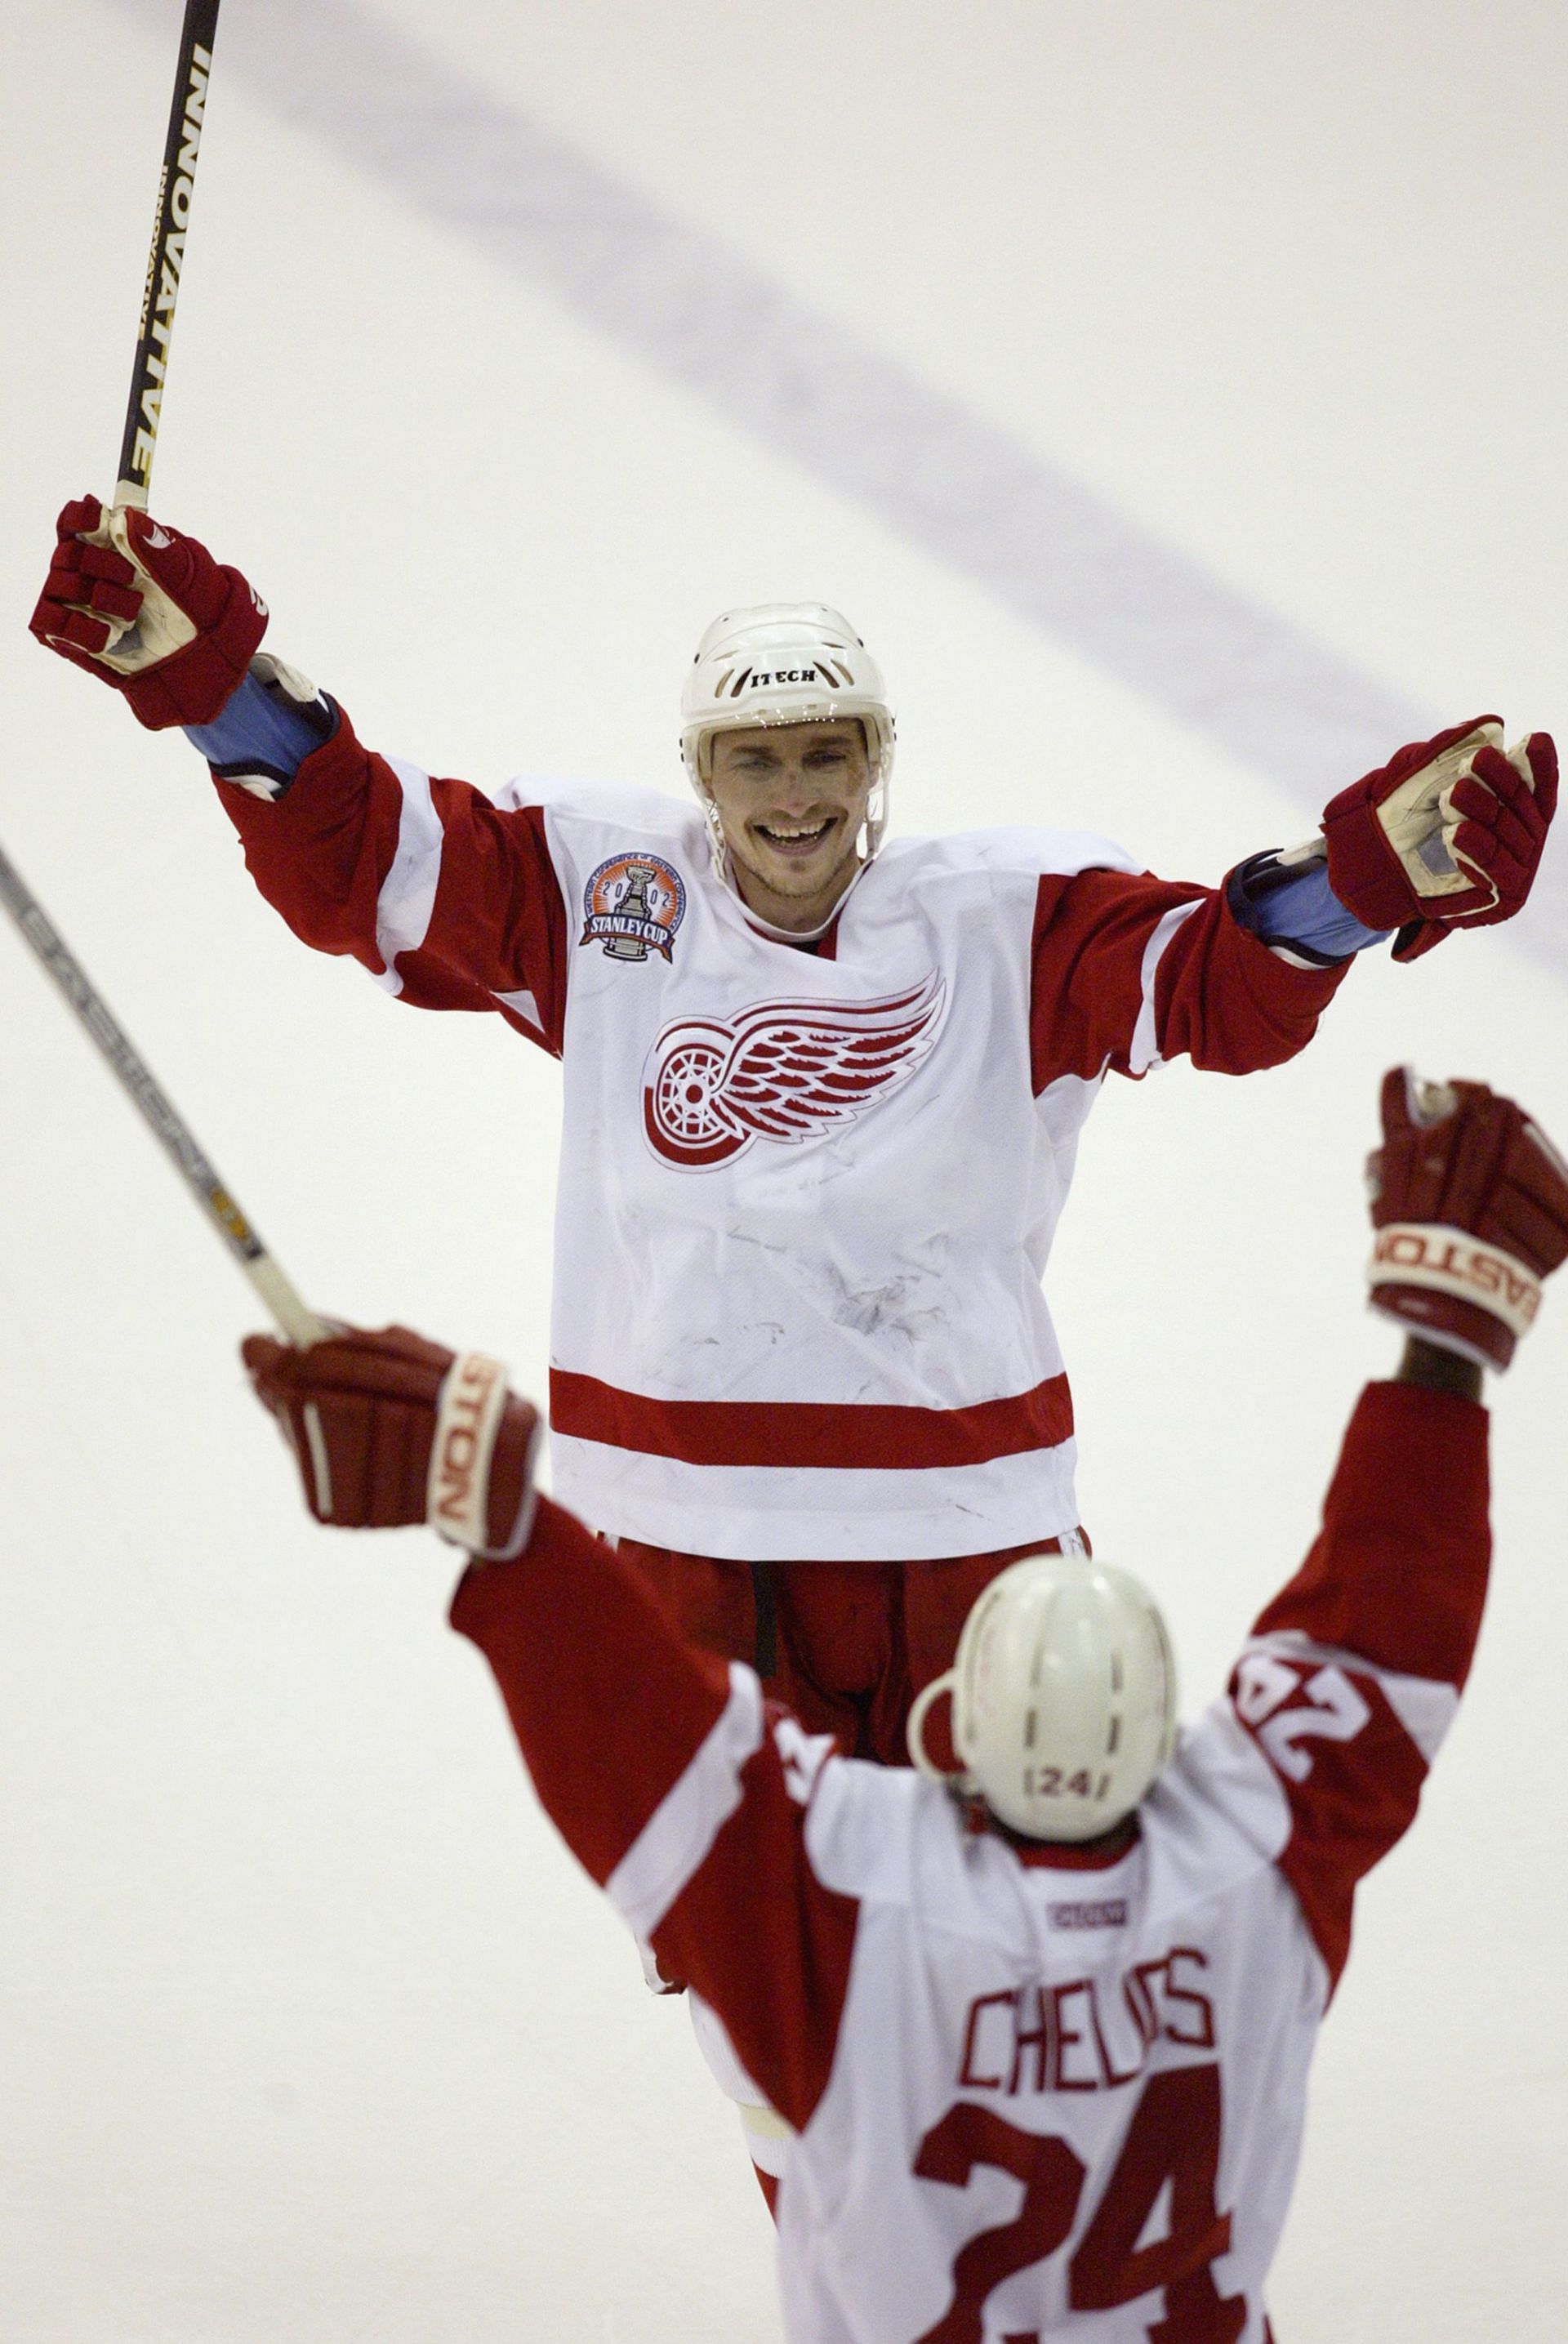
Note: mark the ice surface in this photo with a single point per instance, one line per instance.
(308, 2029)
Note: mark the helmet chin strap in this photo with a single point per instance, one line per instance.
(718, 845)
(874, 822)
(872, 830)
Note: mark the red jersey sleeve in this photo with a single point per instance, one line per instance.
(1355, 1669)
(678, 1789)
(449, 901)
(1128, 970)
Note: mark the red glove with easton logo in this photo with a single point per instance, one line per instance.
(1449, 834)
(149, 612)
(1469, 1202)
(387, 1430)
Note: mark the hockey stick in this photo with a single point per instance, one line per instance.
(293, 1316)
(177, 182)
(148, 373)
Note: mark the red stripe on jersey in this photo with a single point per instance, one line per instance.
(810, 1432)
(609, 1706)
(1396, 1581)
(321, 855)
(1219, 996)
(611, 1710)
(1353, 1801)
(765, 1942)
(1398, 1572)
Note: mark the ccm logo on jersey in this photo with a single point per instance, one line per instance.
(787, 1070)
(1108, 1913)
(633, 904)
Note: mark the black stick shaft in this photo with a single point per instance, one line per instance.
(177, 183)
(293, 1316)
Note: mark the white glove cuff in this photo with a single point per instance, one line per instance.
(1451, 1261)
(467, 1418)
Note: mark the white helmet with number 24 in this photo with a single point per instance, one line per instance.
(1064, 1697)
(784, 663)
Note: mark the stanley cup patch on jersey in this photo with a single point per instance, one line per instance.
(632, 904)
(786, 1070)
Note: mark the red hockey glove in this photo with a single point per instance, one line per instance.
(149, 610)
(388, 1429)
(1448, 835)
(1469, 1202)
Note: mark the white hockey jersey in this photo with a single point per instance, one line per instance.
(806, 1202)
(1036, 2091)
(806, 1195)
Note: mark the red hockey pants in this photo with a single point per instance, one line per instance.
(845, 1645)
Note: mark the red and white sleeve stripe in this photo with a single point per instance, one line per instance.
(1128, 971)
(678, 1790)
(450, 903)
(1355, 1669)
(678, 1837)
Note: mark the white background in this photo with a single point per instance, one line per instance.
(308, 2028)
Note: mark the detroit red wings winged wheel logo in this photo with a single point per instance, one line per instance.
(787, 1070)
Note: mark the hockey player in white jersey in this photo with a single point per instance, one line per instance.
(823, 1089)
(1036, 2037)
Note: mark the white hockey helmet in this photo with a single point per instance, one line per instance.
(1064, 1697)
(784, 663)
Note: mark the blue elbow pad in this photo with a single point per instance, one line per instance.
(264, 733)
(1294, 907)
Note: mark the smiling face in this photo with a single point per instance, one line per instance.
(791, 799)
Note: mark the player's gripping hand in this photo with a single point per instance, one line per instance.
(388, 1429)
(149, 610)
(1470, 1203)
(1447, 835)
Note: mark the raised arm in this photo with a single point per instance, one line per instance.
(678, 1790)
(683, 1795)
(451, 902)
(1354, 1671)
(1130, 970)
